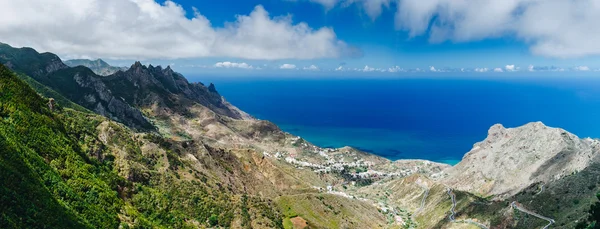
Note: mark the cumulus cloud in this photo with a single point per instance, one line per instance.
(531, 68)
(367, 69)
(228, 64)
(340, 68)
(482, 69)
(396, 69)
(554, 28)
(287, 66)
(145, 29)
(498, 70)
(582, 68)
(432, 69)
(510, 68)
(312, 68)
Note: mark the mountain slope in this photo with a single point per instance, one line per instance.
(37, 154)
(68, 169)
(78, 84)
(97, 66)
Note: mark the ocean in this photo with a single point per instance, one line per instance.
(436, 119)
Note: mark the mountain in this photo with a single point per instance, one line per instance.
(510, 160)
(144, 87)
(78, 84)
(145, 148)
(98, 66)
(115, 96)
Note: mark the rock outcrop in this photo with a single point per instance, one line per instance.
(511, 159)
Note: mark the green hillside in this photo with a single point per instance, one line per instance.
(47, 179)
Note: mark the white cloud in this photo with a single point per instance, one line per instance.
(340, 68)
(312, 68)
(510, 68)
(228, 64)
(556, 28)
(145, 29)
(287, 66)
(498, 70)
(396, 69)
(582, 68)
(432, 69)
(531, 68)
(482, 69)
(368, 69)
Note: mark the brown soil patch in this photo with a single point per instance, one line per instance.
(299, 222)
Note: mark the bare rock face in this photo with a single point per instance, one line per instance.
(100, 99)
(144, 86)
(511, 159)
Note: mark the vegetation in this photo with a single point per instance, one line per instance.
(60, 169)
(593, 220)
(47, 179)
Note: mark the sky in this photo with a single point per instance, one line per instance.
(325, 37)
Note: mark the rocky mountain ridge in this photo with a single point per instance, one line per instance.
(119, 95)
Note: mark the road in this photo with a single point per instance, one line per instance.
(541, 190)
(452, 212)
(516, 206)
(425, 194)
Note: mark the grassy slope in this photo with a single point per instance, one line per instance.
(60, 169)
(49, 93)
(331, 211)
(47, 179)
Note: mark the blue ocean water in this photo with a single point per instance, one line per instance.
(414, 118)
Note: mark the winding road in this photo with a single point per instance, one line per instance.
(452, 212)
(425, 194)
(516, 206)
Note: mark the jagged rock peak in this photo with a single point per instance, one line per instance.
(212, 88)
(137, 64)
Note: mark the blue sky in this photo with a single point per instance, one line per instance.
(368, 36)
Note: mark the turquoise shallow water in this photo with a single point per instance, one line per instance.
(433, 119)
